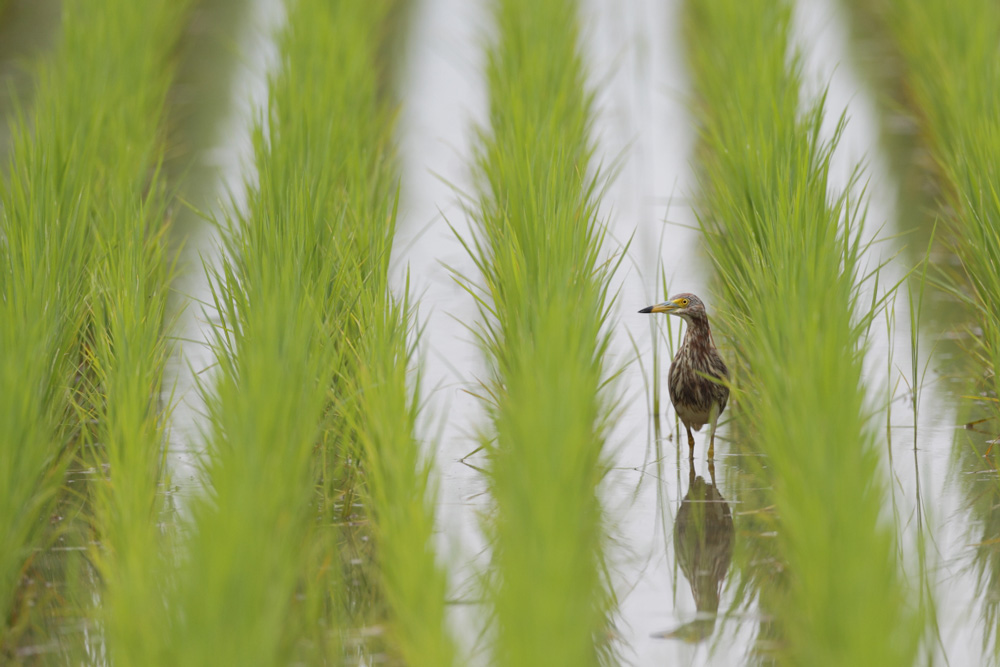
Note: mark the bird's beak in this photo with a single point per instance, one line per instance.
(664, 307)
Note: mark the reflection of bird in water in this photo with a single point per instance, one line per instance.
(698, 375)
(703, 542)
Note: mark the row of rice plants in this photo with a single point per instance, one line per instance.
(129, 299)
(543, 297)
(84, 290)
(950, 67)
(310, 404)
(374, 400)
(787, 257)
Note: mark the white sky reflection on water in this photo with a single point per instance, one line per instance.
(443, 95)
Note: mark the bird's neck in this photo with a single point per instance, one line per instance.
(699, 334)
(697, 326)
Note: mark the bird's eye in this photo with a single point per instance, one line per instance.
(684, 302)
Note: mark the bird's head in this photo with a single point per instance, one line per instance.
(682, 305)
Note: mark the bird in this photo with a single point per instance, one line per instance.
(699, 379)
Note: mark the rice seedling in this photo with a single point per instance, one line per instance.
(312, 385)
(44, 256)
(951, 68)
(374, 400)
(544, 304)
(129, 290)
(84, 282)
(40, 317)
(786, 253)
(878, 64)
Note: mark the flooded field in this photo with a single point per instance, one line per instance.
(691, 552)
(684, 600)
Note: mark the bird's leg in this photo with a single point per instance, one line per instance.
(690, 441)
(711, 439)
